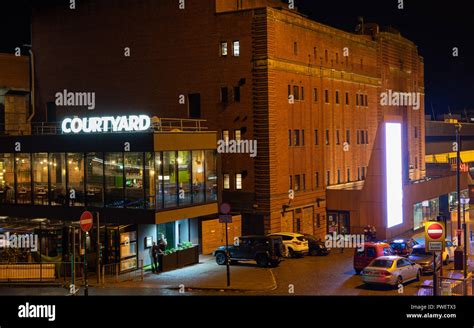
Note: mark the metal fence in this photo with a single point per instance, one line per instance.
(56, 273)
(111, 273)
(450, 287)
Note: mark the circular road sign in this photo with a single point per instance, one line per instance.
(225, 208)
(87, 219)
(435, 231)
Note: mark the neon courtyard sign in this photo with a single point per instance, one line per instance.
(132, 123)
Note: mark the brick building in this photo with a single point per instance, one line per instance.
(256, 70)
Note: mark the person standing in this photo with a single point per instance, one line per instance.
(154, 254)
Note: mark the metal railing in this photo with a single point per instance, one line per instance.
(448, 286)
(111, 273)
(58, 272)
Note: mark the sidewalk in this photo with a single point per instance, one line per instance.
(207, 275)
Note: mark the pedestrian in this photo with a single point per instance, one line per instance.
(154, 255)
(373, 233)
(367, 232)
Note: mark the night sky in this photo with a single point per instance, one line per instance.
(435, 26)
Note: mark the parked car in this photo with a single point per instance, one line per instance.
(316, 246)
(391, 270)
(295, 243)
(403, 247)
(448, 254)
(424, 259)
(371, 251)
(266, 251)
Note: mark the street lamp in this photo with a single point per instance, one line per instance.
(465, 201)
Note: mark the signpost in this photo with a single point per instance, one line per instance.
(86, 221)
(226, 218)
(435, 237)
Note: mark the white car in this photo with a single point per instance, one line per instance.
(391, 270)
(295, 243)
(448, 254)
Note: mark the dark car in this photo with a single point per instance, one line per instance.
(266, 251)
(403, 247)
(424, 259)
(316, 246)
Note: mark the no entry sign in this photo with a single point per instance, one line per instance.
(87, 220)
(435, 235)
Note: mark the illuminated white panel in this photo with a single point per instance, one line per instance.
(393, 159)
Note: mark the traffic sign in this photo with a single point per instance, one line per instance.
(87, 220)
(225, 208)
(225, 218)
(435, 235)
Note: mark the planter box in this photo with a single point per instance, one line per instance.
(188, 256)
(179, 259)
(168, 262)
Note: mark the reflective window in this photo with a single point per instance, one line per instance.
(95, 179)
(23, 174)
(114, 195)
(75, 169)
(40, 178)
(211, 175)
(159, 180)
(134, 192)
(170, 179)
(57, 175)
(149, 178)
(184, 169)
(198, 177)
(7, 179)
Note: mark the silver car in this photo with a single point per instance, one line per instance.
(391, 270)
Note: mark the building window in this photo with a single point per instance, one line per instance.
(326, 96)
(211, 175)
(337, 97)
(366, 98)
(289, 91)
(367, 137)
(194, 105)
(362, 137)
(184, 162)
(226, 136)
(363, 173)
(223, 49)
(317, 180)
(316, 138)
(318, 220)
(358, 173)
(347, 98)
(348, 137)
(302, 93)
(238, 135)
(327, 137)
(302, 137)
(328, 178)
(338, 176)
(326, 56)
(291, 182)
(290, 139)
(297, 137)
(362, 103)
(297, 182)
(237, 94)
(95, 174)
(358, 137)
(416, 132)
(224, 95)
(296, 92)
(238, 181)
(348, 175)
(114, 175)
(295, 48)
(236, 48)
(226, 181)
(304, 182)
(357, 99)
(315, 94)
(75, 177)
(338, 141)
(416, 163)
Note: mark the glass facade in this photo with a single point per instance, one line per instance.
(160, 180)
